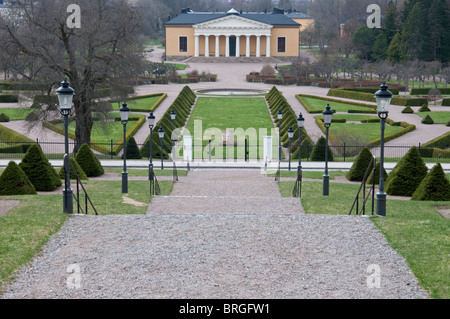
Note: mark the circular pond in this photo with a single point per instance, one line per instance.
(229, 92)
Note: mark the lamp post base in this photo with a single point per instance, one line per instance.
(124, 182)
(381, 204)
(326, 185)
(68, 201)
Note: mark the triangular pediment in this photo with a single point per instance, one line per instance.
(232, 22)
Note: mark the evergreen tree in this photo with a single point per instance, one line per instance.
(414, 31)
(360, 165)
(390, 26)
(13, 181)
(318, 153)
(435, 186)
(88, 162)
(397, 50)
(380, 48)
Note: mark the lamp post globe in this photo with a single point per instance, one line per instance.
(383, 97)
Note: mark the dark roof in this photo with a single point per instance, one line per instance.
(298, 15)
(192, 18)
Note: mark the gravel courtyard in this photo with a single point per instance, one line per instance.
(247, 249)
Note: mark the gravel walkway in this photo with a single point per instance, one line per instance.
(262, 249)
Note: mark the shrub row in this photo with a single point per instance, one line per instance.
(424, 91)
(445, 102)
(162, 97)
(17, 86)
(20, 142)
(276, 101)
(396, 100)
(182, 106)
(394, 91)
(9, 98)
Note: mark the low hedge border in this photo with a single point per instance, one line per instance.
(445, 102)
(424, 91)
(20, 142)
(396, 100)
(9, 98)
(96, 145)
(371, 110)
(153, 107)
(394, 91)
(406, 129)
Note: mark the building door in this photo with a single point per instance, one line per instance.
(232, 46)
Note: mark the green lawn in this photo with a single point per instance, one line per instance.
(16, 113)
(439, 117)
(413, 228)
(350, 117)
(139, 103)
(317, 104)
(218, 114)
(365, 131)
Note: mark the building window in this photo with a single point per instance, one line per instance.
(183, 44)
(281, 44)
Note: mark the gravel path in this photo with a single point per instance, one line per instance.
(264, 249)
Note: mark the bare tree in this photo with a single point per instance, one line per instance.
(104, 51)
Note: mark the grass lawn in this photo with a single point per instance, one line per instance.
(16, 113)
(351, 117)
(317, 104)
(365, 131)
(413, 228)
(144, 172)
(139, 103)
(28, 226)
(439, 117)
(221, 113)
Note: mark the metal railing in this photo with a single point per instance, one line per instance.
(154, 185)
(362, 187)
(76, 195)
(297, 191)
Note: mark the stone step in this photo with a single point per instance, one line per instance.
(214, 59)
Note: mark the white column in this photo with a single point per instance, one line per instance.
(197, 51)
(238, 47)
(217, 45)
(207, 45)
(227, 47)
(247, 48)
(268, 46)
(258, 46)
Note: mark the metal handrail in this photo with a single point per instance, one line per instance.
(362, 188)
(77, 196)
(297, 191)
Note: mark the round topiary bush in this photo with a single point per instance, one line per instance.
(360, 165)
(39, 170)
(427, 120)
(318, 153)
(88, 162)
(407, 174)
(4, 117)
(13, 181)
(435, 186)
(81, 174)
(407, 110)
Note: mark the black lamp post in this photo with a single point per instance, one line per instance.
(151, 124)
(173, 116)
(124, 113)
(300, 124)
(290, 135)
(280, 117)
(65, 96)
(161, 138)
(383, 98)
(327, 116)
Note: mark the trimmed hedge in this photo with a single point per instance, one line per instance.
(88, 162)
(445, 102)
(435, 186)
(13, 181)
(407, 110)
(395, 91)
(371, 108)
(182, 105)
(396, 100)
(427, 120)
(4, 117)
(133, 151)
(377, 175)
(407, 174)
(318, 153)
(424, 108)
(162, 97)
(18, 140)
(424, 91)
(80, 172)
(360, 165)
(9, 98)
(39, 170)
(440, 141)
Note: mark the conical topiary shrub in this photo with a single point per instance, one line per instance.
(13, 181)
(39, 170)
(377, 175)
(424, 108)
(407, 174)
(318, 153)
(427, 120)
(408, 109)
(360, 165)
(80, 172)
(133, 151)
(90, 164)
(435, 186)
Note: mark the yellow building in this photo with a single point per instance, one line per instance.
(231, 34)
